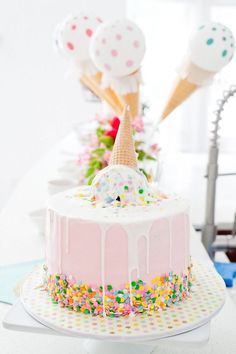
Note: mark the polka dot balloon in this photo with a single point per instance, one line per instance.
(74, 35)
(212, 46)
(118, 47)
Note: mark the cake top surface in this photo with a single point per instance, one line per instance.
(76, 203)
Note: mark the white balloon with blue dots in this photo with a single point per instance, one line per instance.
(211, 46)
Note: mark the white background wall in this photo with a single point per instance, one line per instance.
(38, 104)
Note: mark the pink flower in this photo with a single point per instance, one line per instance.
(112, 133)
(115, 123)
(106, 156)
(94, 141)
(84, 157)
(101, 120)
(138, 124)
(155, 149)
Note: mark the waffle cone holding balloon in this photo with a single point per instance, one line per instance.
(117, 50)
(93, 83)
(72, 39)
(182, 90)
(210, 48)
(123, 152)
(132, 100)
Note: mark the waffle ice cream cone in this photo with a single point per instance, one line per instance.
(93, 83)
(182, 90)
(132, 100)
(124, 151)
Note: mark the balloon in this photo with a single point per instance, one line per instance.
(212, 46)
(118, 47)
(73, 36)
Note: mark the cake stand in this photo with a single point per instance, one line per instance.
(135, 334)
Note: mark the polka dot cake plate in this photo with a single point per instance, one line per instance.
(207, 298)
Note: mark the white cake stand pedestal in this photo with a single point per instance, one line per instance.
(102, 347)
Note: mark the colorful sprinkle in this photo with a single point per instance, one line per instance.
(164, 291)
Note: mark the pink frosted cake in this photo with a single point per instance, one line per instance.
(118, 247)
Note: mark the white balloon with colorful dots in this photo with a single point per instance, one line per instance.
(212, 46)
(73, 38)
(117, 49)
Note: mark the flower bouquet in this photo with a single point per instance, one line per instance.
(96, 154)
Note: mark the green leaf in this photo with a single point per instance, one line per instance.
(98, 152)
(99, 132)
(141, 155)
(90, 171)
(90, 180)
(144, 172)
(95, 163)
(149, 157)
(107, 141)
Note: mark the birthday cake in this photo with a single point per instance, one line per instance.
(120, 246)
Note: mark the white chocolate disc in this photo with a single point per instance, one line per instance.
(118, 47)
(212, 46)
(123, 183)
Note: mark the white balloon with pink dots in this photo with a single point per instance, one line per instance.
(74, 35)
(117, 48)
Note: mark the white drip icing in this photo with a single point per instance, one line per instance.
(134, 233)
(59, 235)
(54, 224)
(148, 254)
(170, 242)
(67, 235)
(186, 238)
(48, 228)
(104, 229)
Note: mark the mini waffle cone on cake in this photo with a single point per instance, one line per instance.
(123, 152)
(93, 82)
(182, 90)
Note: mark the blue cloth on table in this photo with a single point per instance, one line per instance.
(11, 275)
(227, 271)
